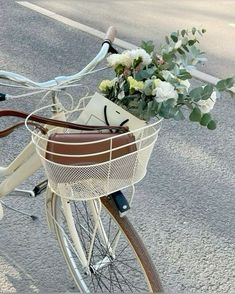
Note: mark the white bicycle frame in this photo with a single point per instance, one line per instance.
(28, 162)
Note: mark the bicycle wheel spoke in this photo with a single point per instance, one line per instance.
(114, 266)
(120, 287)
(82, 236)
(127, 265)
(128, 283)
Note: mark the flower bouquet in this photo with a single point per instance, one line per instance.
(152, 83)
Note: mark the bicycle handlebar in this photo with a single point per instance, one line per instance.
(63, 80)
(110, 34)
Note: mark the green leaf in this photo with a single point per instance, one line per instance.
(225, 84)
(192, 42)
(185, 48)
(166, 110)
(174, 37)
(195, 115)
(184, 75)
(207, 91)
(196, 93)
(137, 61)
(134, 103)
(119, 69)
(167, 40)
(211, 125)
(158, 107)
(147, 46)
(203, 31)
(145, 74)
(206, 118)
(194, 31)
(181, 51)
(141, 106)
(183, 33)
(149, 109)
(179, 114)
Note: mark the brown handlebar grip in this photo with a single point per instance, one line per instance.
(110, 34)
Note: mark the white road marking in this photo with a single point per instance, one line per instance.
(75, 24)
(123, 44)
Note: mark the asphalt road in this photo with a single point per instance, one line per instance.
(184, 209)
(152, 20)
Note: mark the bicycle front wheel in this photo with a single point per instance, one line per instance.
(129, 269)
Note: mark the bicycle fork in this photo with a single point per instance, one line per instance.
(94, 207)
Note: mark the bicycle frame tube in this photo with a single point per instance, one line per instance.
(26, 163)
(95, 210)
(73, 231)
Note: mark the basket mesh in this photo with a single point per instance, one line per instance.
(87, 182)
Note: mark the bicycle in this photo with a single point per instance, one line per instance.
(102, 250)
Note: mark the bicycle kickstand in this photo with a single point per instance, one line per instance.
(33, 217)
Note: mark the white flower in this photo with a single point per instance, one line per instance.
(164, 91)
(127, 58)
(140, 53)
(207, 105)
(120, 59)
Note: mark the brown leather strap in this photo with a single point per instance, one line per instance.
(9, 130)
(58, 123)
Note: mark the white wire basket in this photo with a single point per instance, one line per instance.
(90, 181)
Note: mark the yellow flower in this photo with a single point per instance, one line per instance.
(105, 85)
(135, 84)
(156, 82)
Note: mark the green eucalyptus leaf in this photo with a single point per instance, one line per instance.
(181, 51)
(180, 98)
(203, 31)
(183, 33)
(211, 125)
(207, 91)
(179, 114)
(134, 103)
(196, 93)
(206, 118)
(145, 73)
(185, 48)
(195, 115)
(225, 84)
(158, 107)
(174, 37)
(167, 109)
(184, 75)
(147, 46)
(149, 109)
(192, 42)
(194, 31)
(141, 107)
